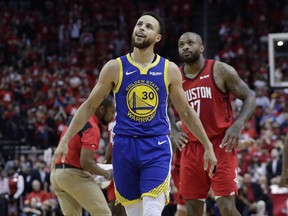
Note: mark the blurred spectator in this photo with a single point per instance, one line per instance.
(267, 194)
(274, 167)
(34, 200)
(39, 173)
(16, 187)
(250, 199)
(51, 206)
(4, 193)
(261, 98)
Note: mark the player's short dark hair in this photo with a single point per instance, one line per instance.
(159, 19)
(108, 101)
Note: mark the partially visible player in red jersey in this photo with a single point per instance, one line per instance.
(176, 126)
(117, 210)
(180, 210)
(208, 85)
(175, 133)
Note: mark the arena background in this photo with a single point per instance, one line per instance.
(51, 53)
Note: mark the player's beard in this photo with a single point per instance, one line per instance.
(104, 121)
(142, 45)
(191, 59)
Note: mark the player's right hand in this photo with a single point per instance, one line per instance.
(60, 151)
(180, 139)
(110, 174)
(210, 159)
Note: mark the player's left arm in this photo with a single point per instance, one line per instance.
(236, 86)
(189, 116)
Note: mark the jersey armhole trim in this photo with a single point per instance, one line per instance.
(166, 75)
(117, 87)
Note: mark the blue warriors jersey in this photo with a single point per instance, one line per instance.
(141, 96)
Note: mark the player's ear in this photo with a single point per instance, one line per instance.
(158, 37)
(202, 48)
(100, 110)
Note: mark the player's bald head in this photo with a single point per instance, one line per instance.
(192, 35)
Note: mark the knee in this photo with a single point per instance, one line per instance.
(101, 212)
(194, 207)
(153, 206)
(152, 209)
(226, 210)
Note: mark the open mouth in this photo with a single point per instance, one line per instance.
(141, 35)
(187, 54)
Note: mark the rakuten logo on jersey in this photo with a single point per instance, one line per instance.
(155, 73)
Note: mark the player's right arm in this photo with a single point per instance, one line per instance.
(107, 80)
(89, 164)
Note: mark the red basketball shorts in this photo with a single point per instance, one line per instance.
(195, 182)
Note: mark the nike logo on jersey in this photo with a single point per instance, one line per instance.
(130, 72)
(162, 142)
(204, 77)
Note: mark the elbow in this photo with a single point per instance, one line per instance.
(253, 104)
(253, 100)
(184, 116)
(250, 102)
(84, 163)
(184, 112)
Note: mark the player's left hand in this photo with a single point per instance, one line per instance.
(210, 161)
(231, 137)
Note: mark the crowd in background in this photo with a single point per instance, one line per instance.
(51, 53)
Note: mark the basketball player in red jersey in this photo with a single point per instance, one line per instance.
(116, 209)
(208, 85)
(175, 171)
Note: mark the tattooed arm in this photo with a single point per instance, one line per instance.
(228, 80)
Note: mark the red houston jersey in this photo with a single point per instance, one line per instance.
(211, 104)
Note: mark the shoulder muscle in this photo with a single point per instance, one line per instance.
(231, 80)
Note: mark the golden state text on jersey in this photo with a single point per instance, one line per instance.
(141, 98)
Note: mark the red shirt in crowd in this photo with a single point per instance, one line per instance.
(40, 196)
(88, 137)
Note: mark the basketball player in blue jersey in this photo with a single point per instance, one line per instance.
(142, 83)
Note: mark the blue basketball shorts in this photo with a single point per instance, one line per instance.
(141, 167)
